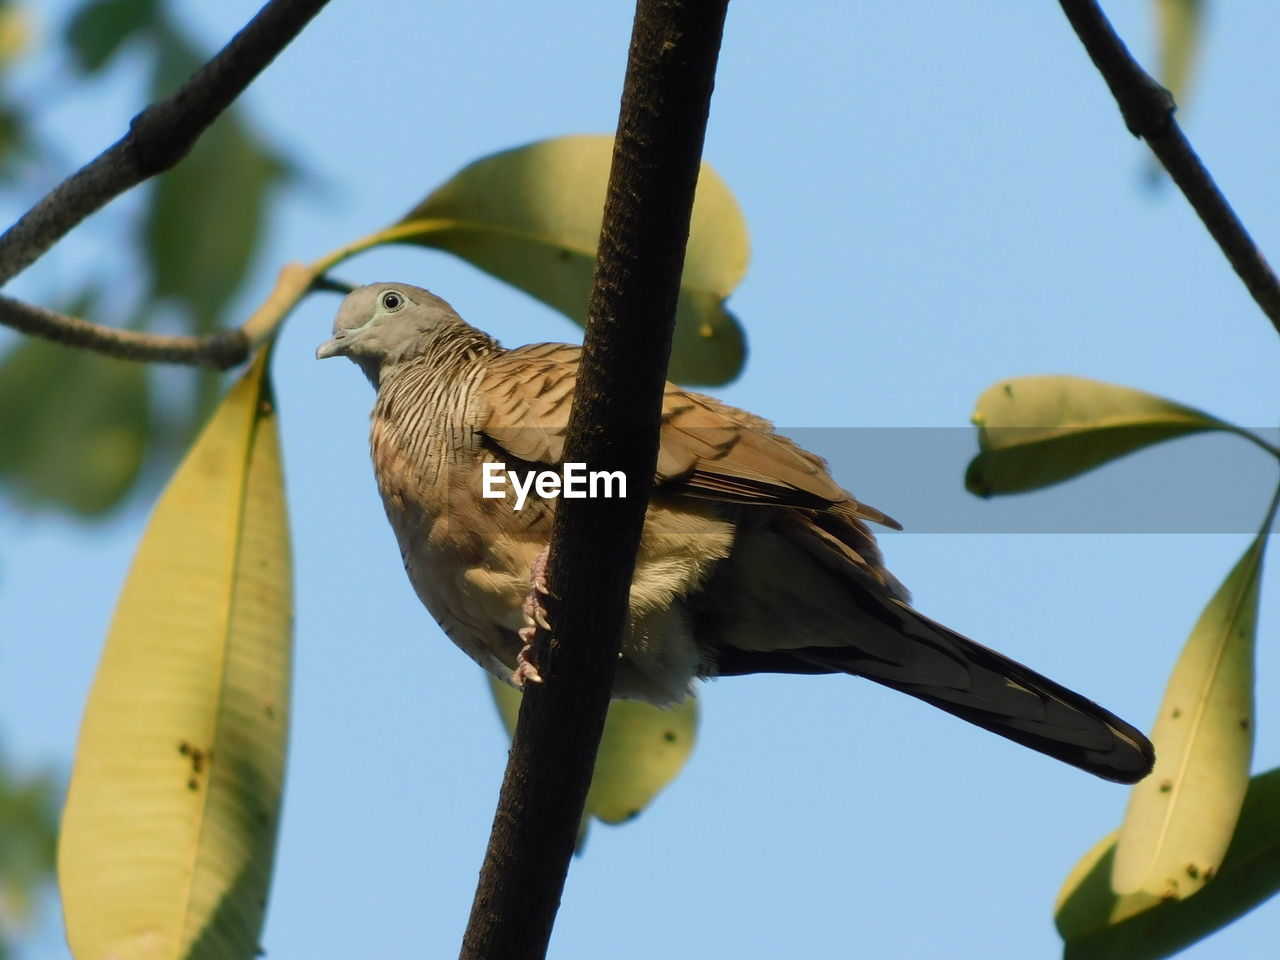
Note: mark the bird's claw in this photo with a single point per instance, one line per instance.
(534, 608)
(535, 618)
(525, 671)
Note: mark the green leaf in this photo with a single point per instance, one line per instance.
(1180, 818)
(75, 426)
(28, 835)
(1037, 431)
(1178, 25)
(99, 29)
(531, 216)
(204, 221)
(171, 817)
(642, 750)
(15, 142)
(19, 150)
(1098, 924)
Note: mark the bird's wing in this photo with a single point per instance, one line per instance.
(805, 590)
(708, 449)
(524, 398)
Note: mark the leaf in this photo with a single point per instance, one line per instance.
(16, 33)
(204, 221)
(75, 426)
(1037, 431)
(16, 144)
(171, 818)
(100, 28)
(1180, 818)
(531, 216)
(1178, 24)
(642, 750)
(18, 148)
(28, 831)
(1088, 912)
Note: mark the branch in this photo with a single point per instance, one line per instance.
(613, 426)
(158, 137)
(1148, 109)
(221, 350)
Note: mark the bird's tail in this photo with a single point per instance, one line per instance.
(1001, 695)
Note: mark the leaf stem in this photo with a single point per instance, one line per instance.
(1265, 529)
(1254, 439)
(392, 234)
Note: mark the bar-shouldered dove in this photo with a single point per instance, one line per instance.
(752, 559)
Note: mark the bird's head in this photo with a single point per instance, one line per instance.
(384, 324)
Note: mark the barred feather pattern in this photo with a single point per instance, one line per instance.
(753, 559)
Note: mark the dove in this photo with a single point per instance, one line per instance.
(753, 559)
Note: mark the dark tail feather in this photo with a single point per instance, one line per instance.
(1003, 696)
(974, 683)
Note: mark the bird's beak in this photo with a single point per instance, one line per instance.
(335, 347)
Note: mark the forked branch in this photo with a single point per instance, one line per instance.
(158, 138)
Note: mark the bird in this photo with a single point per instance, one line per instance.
(753, 559)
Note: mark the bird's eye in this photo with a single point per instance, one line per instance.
(391, 300)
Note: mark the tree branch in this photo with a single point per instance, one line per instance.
(1148, 110)
(158, 137)
(221, 350)
(613, 426)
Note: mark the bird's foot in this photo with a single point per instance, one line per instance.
(534, 609)
(525, 671)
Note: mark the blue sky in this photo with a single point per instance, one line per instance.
(939, 196)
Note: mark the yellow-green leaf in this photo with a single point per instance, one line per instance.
(1180, 818)
(531, 216)
(1099, 924)
(642, 750)
(1178, 24)
(170, 825)
(1037, 431)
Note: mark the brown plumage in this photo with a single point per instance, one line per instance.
(753, 559)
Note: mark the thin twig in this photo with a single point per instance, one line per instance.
(1148, 110)
(158, 137)
(613, 426)
(328, 284)
(220, 350)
